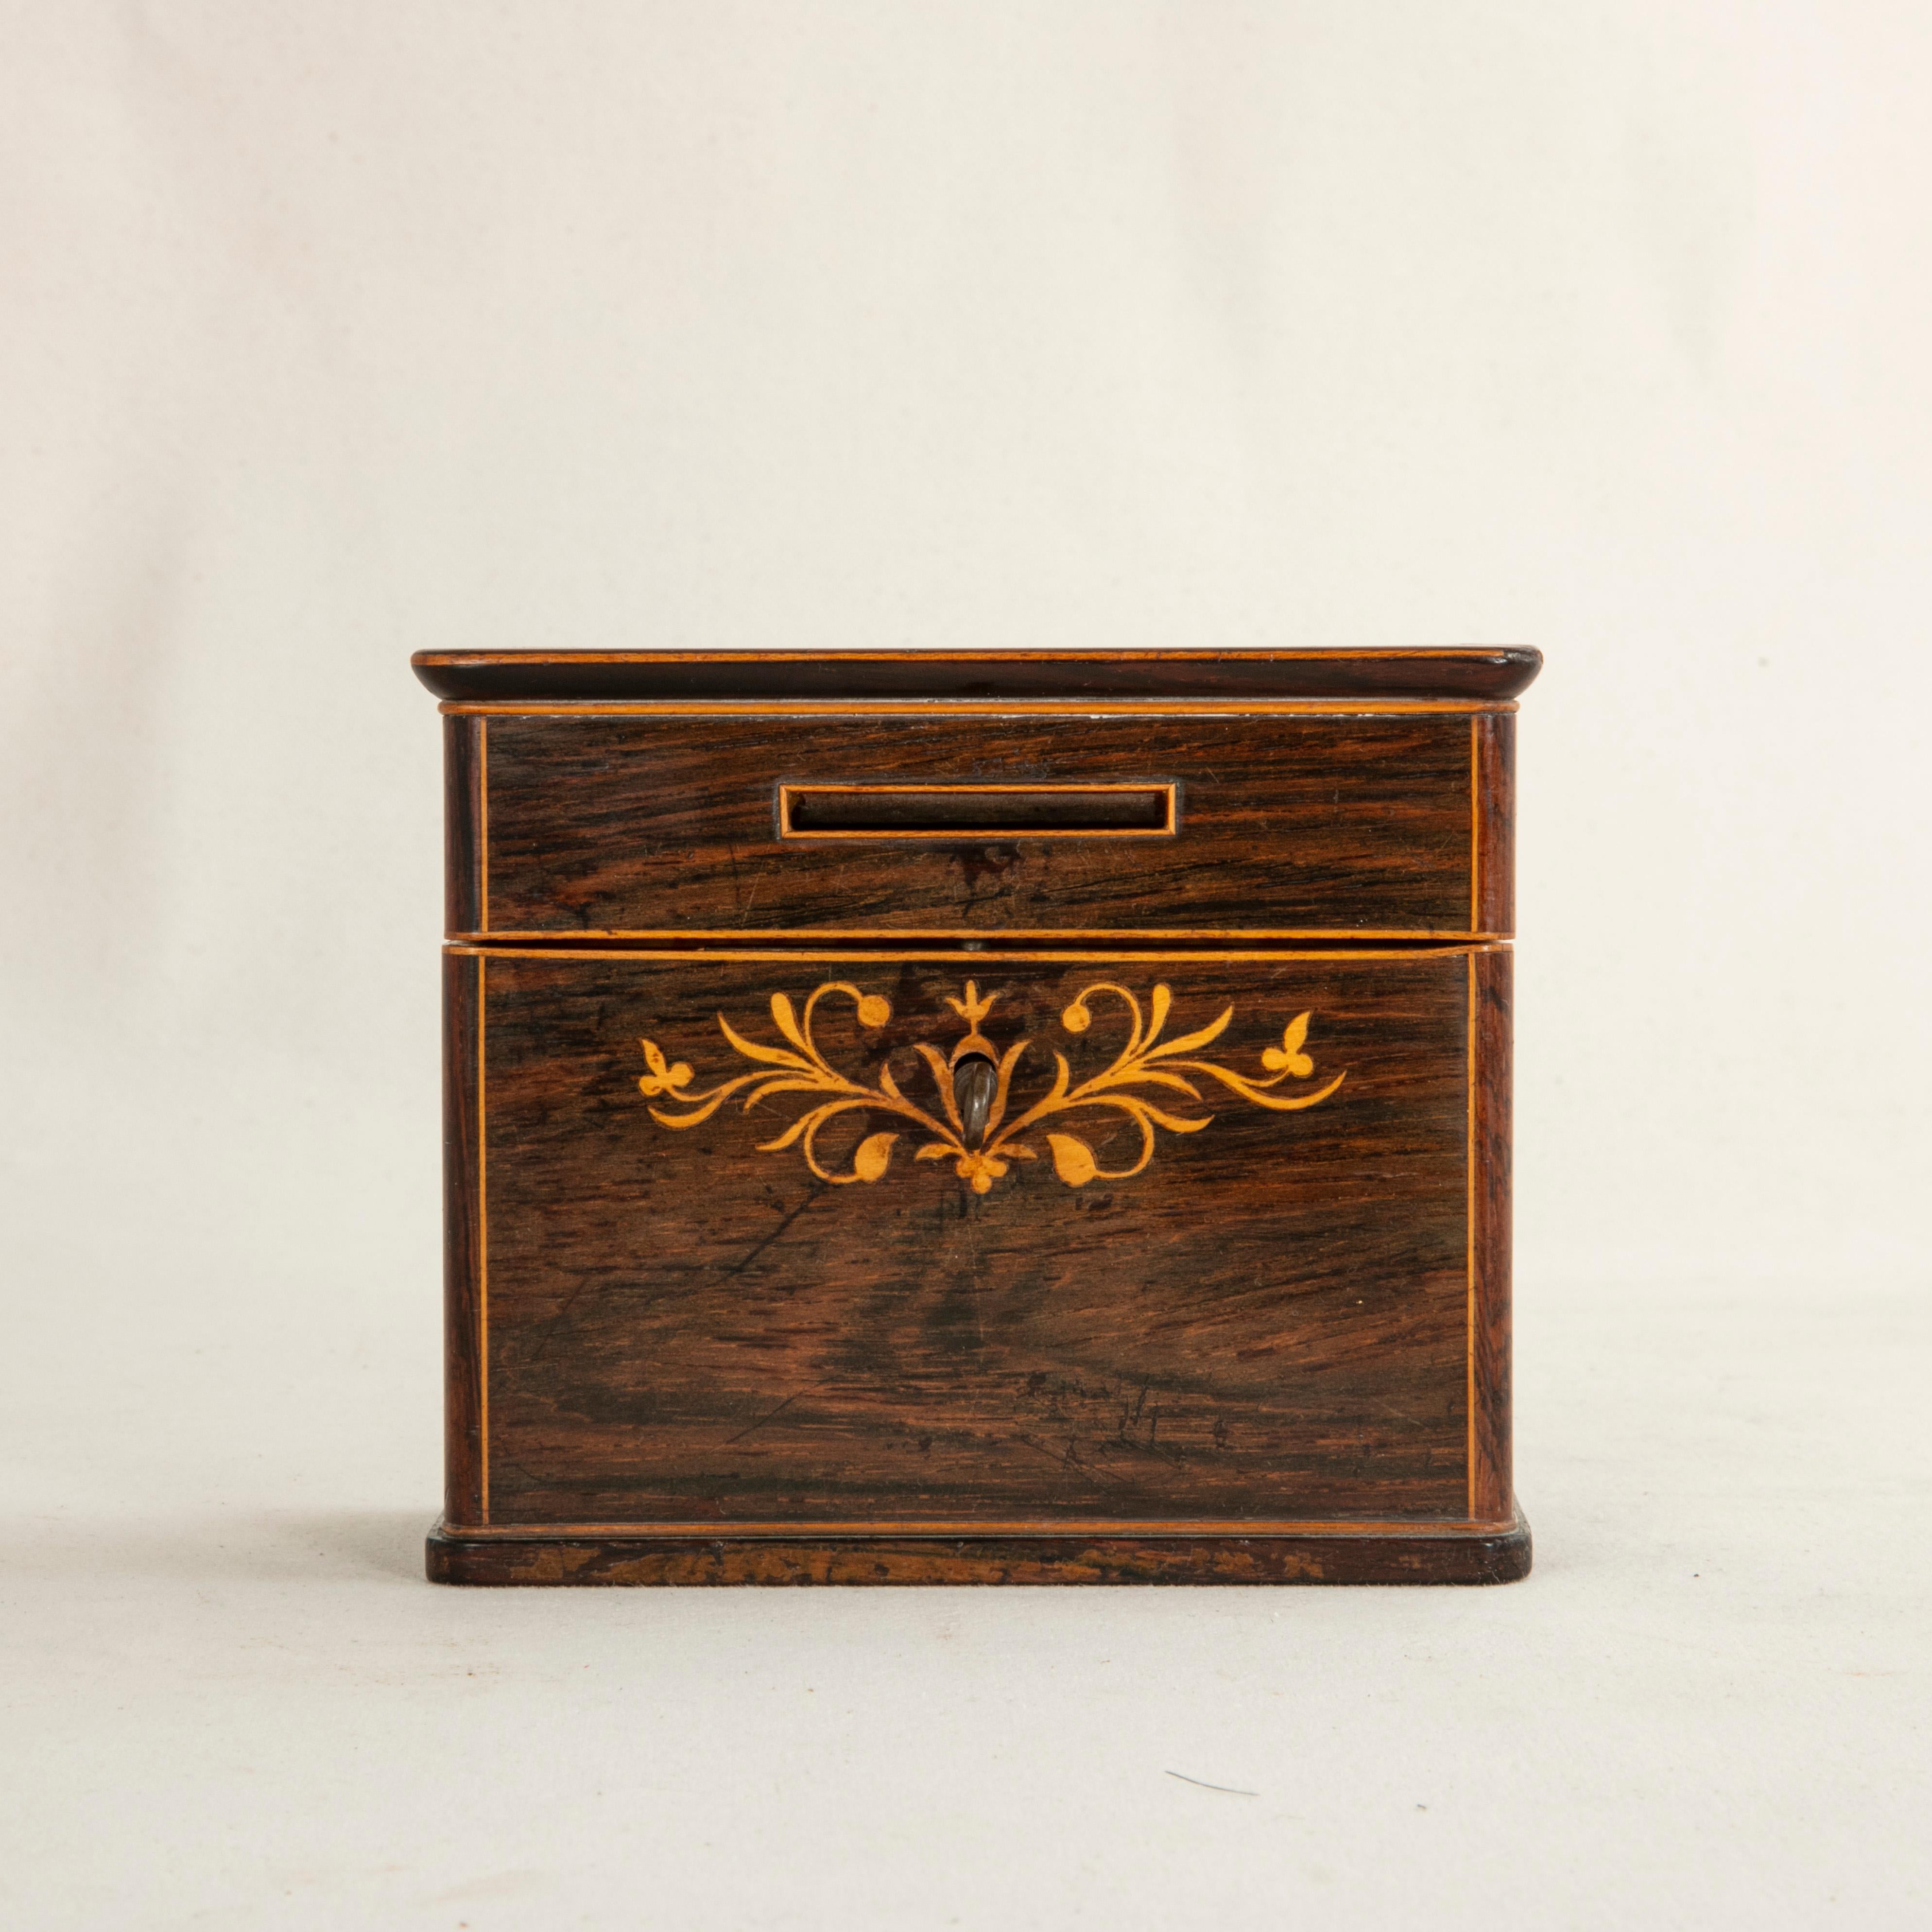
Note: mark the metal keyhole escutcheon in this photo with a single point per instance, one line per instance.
(975, 1080)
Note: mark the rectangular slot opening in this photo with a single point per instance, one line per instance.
(976, 811)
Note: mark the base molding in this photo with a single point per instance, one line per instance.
(1481, 1553)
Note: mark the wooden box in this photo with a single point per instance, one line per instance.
(961, 1117)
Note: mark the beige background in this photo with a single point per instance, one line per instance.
(332, 332)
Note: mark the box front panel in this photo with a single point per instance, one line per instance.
(1204, 1260)
(1284, 824)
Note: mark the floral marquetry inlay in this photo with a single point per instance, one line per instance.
(977, 1137)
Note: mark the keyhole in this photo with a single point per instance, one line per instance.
(974, 1081)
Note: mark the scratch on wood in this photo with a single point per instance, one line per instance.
(762, 1419)
(739, 1267)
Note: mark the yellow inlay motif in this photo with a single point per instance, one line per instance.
(982, 1158)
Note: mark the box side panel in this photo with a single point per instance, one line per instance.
(465, 894)
(1491, 979)
(465, 1495)
(1495, 756)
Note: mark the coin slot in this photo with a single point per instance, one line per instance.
(977, 811)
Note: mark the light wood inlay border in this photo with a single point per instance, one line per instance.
(950, 1527)
(1475, 825)
(483, 1231)
(1469, 1218)
(753, 710)
(483, 814)
(807, 956)
(788, 792)
(1490, 1220)
(1010, 935)
(965, 707)
(967, 1527)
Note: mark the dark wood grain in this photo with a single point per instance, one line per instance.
(1279, 1352)
(462, 824)
(1270, 1322)
(1496, 822)
(1492, 1498)
(649, 825)
(464, 1500)
(486, 676)
(1399, 1556)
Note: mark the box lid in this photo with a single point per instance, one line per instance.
(1481, 674)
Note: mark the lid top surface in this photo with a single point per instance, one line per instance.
(1477, 673)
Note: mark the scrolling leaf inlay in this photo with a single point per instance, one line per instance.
(800, 1067)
